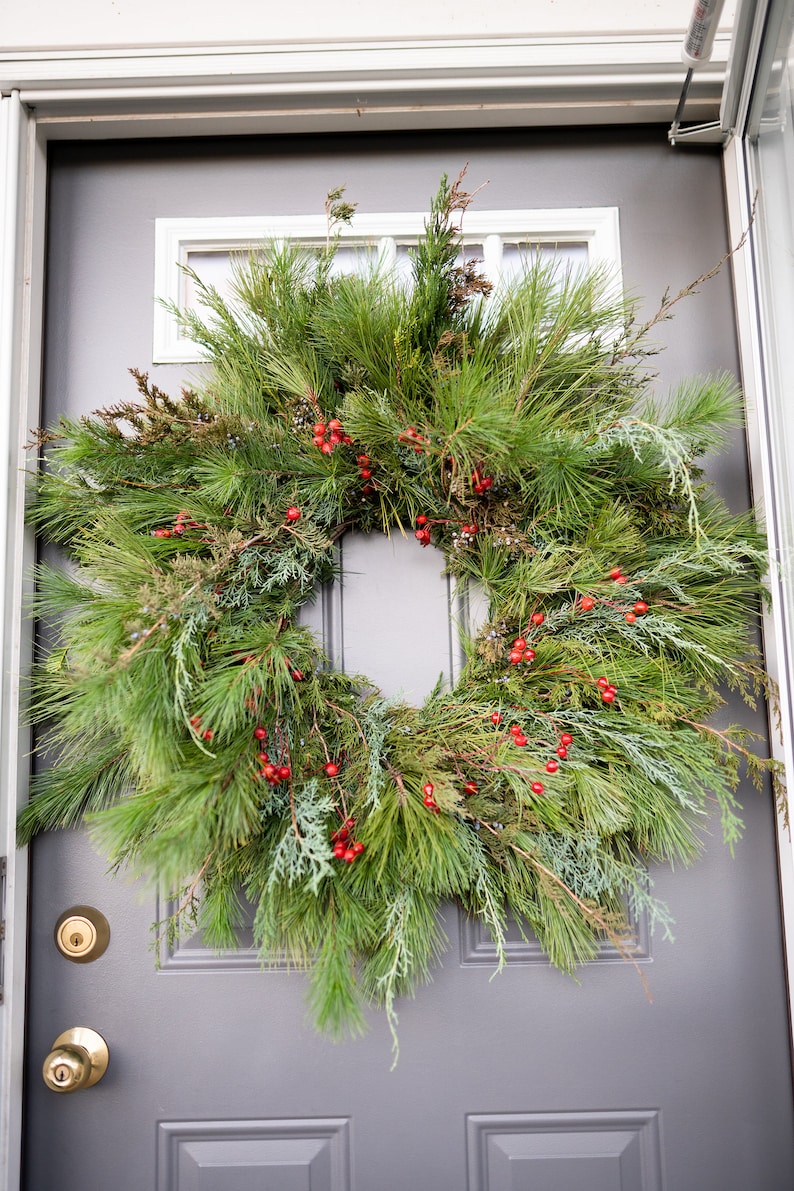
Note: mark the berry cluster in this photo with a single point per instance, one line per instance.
(639, 608)
(364, 465)
(422, 534)
(326, 437)
(608, 690)
(344, 847)
(463, 538)
(428, 790)
(480, 483)
(273, 773)
(521, 652)
(416, 440)
(195, 724)
(183, 521)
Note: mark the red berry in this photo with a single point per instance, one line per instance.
(349, 856)
(614, 573)
(327, 448)
(260, 733)
(358, 847)
(318, 440)
(195, 720)
(366, 474)
(621, 579)
(537, 787)
(297, 675)
(269, 771)
(566, 738)
(586, 603)
(562, 752)
(515, 729)
(423, 536)
(519, 643)
(362, 460)
(640, 607)
(429, 800)
(552, 766)
(319, 428)
(520, 739)
(528, 655)
(208, 734)
(496, 717)
(331, 769)
(516, 656)
(421, 519)
(537, 618)
(284, 772)
(603, 683)
(471, 787)
(630, 617)
(428, 789)
(263, 758)
(608, 696)
(334, 424)
(334, 437)
(350, 824)
(339, 850)
(293, 513)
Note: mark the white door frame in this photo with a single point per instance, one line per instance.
(190, 91)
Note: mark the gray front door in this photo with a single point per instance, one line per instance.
(531, 1081)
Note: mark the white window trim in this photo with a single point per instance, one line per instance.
(174, 239)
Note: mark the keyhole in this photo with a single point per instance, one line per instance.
(77, 940)
(61, 1074)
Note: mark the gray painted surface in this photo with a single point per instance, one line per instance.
(529, 1082)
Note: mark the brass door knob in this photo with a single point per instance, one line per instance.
(78, 1059)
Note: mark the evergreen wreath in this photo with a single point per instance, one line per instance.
(207, 740)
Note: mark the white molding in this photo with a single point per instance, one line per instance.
(778, 619)
(596, 227)
(419, 83)
(19, 329)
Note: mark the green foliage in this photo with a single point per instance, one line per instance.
(196, 723)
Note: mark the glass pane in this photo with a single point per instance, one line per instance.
(520, 255)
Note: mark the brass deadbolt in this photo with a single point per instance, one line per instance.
(78, 1059)
(82, 934)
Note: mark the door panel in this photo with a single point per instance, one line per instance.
(528, 1082)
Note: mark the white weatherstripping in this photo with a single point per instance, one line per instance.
(175, 239)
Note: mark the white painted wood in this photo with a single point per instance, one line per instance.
(597, 228)
(104, 23)
(18, 328)
(407, 83)
(766, 463)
